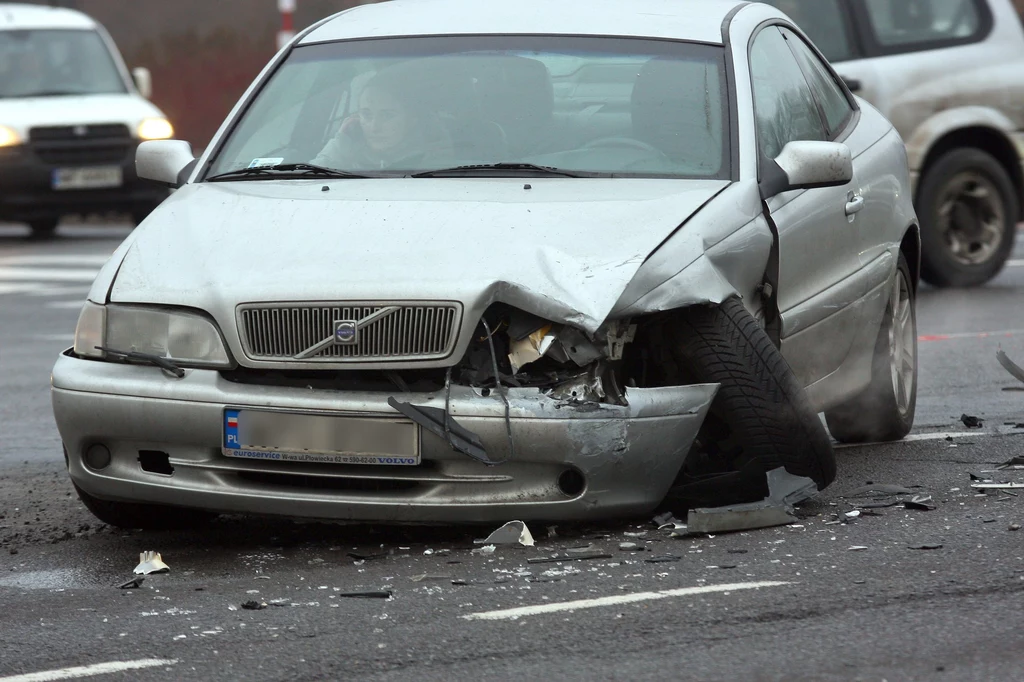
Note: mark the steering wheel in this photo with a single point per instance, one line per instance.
(621, 142)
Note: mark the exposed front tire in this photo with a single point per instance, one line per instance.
(145, 516)
(761, 411)
(885, 409)
(969, 209)
(43, 228)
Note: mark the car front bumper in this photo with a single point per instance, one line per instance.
(28, 193)
(628, 456)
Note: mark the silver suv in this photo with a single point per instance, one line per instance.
(949, 74)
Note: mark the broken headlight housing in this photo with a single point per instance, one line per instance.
(187, 338)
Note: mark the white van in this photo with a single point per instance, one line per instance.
(71, 116)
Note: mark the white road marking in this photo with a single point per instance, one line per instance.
(511, 614)
(71, 259)
(90, 670)
(942, 435)
(1014, 263)
(19, 274)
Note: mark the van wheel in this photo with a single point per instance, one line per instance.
(885, 409)
(144, 516)
(969, 212)
(43, 228)
(761, 414)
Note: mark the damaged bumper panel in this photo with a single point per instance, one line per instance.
(572, 460)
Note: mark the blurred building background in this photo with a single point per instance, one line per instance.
(203, 53)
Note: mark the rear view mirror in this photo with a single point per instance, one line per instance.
(809, 165)
(143, 81)
(164, 161)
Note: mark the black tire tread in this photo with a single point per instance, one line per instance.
(760, 398)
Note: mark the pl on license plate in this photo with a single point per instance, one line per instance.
(96, 177)
(319, 438)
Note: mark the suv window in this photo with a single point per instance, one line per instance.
(783, 103)
(824, 22)
(897, 23)
(827, 91)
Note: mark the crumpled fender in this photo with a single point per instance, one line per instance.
(720, 252)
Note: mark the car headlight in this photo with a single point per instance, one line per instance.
(9, 137)
(186, 338)
(156, 129)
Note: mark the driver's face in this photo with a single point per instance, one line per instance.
(384, 120)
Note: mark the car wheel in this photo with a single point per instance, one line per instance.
(969, 212)
(761, 411)
(145, 516)
(43, 228)
(885, 409)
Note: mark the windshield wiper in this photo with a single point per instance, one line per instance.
(148, 358)
(285, 170)
(501, 169)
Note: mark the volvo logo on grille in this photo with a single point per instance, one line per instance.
(346, 332)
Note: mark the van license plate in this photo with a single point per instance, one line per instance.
(96, 177)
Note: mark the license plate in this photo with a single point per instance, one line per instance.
(96, 177)
(318, 438)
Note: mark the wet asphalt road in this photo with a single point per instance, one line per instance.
(821, 611)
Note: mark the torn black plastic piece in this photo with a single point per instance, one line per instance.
(433, 419)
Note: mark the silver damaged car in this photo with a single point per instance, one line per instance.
(460, 261)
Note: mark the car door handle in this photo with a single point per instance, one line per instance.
(854, 204)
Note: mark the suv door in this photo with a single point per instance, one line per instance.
(818, 242)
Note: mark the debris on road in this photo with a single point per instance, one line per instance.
(997, 486)
(372, 594)
(784, 491)
(667, 521)
(151, 562)
(919, 503)
(925, 546)
(133, 584)
(1010, 366)
(512, 533)
(1014, 526)
(425, 577)
(486, 549)
(587, 549)
(628, 546)
(879, 489)
(857, 548)
(367, 557)
(1012, 463)
(568, 557)
(665, 558)
(253, 605)
(971, 422)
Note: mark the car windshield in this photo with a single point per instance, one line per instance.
(56, 62)
(402, 106)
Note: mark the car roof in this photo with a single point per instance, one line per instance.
(17, 16)
(695, 20)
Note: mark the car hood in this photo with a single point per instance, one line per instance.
(22, 113)
(561, 248)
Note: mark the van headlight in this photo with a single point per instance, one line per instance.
(156, 129)
(189, 339)
(9, 137)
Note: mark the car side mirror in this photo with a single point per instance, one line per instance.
(167, 162)
(808, 165)
(143, 81)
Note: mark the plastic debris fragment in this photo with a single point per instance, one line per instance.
(919, 502)
(512, 533)
(568, 557)
(133, 584)
(151, 562)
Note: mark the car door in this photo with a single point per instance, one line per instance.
(818, 246)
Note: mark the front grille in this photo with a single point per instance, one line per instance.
(417, 331)
(81, 145)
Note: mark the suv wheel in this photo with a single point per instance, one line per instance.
(969, 212)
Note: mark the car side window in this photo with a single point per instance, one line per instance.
(784, 106)
(824, 22)
(827, 91)
(898, 23)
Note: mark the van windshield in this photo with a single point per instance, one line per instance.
(56, 62)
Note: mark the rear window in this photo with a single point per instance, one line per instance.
(825, 24)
